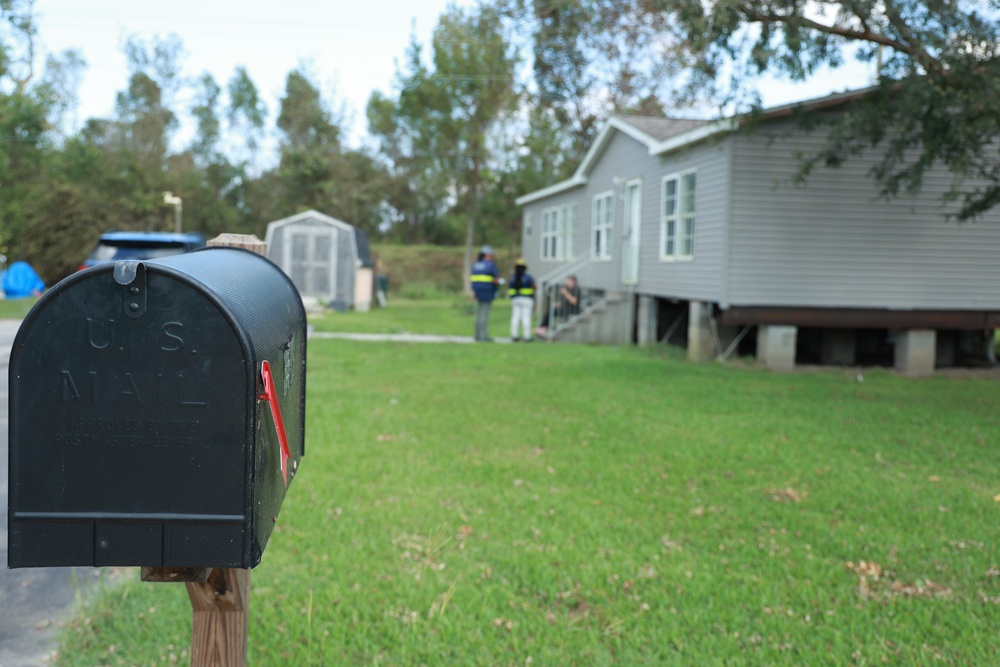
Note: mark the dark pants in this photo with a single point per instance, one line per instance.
(483, 320)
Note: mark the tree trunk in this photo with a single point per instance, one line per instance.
(470, 233)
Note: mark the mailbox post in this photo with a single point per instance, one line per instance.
(157, 418)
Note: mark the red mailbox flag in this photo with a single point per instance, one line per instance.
(271, 396)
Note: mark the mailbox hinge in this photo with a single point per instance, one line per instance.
(131, 275)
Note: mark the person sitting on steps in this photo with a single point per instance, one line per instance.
(567, 304)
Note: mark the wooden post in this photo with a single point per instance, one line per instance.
(220, 604)
(221, 609)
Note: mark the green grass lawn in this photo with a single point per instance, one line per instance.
(446, 316)
(15, 309)
(576, 505)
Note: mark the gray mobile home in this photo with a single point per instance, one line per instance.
(326, 258)
(695, 232)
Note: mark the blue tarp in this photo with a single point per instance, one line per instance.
(20, 280)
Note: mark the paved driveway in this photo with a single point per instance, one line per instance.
(33, 602)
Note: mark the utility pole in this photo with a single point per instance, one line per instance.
(171, 200)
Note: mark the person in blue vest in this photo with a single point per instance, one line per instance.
(485, 280)
(522, 301)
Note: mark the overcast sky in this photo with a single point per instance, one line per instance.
(352, 45)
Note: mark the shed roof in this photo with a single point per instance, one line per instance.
(311, 214)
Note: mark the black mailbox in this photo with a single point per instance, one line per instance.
(157, 413)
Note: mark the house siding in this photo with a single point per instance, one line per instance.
(623, 160)
(833, 242)
(531, 232)
(701, 277)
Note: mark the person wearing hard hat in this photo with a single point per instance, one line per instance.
(522, 301)
(485, 280)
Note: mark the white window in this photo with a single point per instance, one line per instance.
(604, 204)
(549, 234)
(558, 232)
(678, 215)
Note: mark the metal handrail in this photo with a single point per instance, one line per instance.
(560, 273)
(590, 299)
(548, 288)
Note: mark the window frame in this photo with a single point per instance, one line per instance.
(547, 237)
(607, 226)
(558, 235)
(680, 220)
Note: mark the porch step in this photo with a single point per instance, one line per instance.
(595, 324)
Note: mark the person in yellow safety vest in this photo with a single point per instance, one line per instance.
(522, 301)
(485, 280)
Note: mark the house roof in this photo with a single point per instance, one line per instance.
(662, 135)
(660, 128)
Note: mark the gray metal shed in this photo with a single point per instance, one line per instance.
(326, 258)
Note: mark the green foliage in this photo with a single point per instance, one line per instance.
(316, 170)
(206, 113)
(465, 130)
(63, 213)
(460, 138)
(439, 130)
(483, 505)
(593, 58)
(246, 114)
(22, 154)
(937, 65)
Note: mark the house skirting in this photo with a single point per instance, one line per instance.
(920, 340)
(861, 318)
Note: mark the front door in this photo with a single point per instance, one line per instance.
(633, 222)
(311, 255)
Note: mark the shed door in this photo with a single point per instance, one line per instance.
(310, 254)
(633, 222)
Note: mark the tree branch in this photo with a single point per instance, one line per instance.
(912, 49)
(27, 26)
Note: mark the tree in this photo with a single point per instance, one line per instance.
(316, 169)
(592, 58)
(60, 83)
(135, 144)
(203, 176)
(246, 115)
(438, 131)
(17, 44)
(146, 120)
(939, 67)
(310, 145)
(27, 109)
(206, 115)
